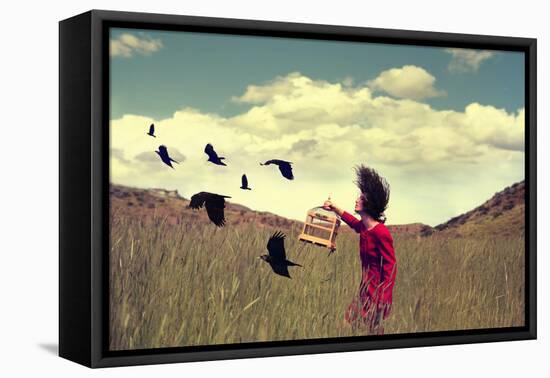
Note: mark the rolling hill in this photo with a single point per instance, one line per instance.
(149, 203)
(503, 214)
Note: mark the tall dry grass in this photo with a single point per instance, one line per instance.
(195, 284)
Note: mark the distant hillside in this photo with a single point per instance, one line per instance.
(148, 203)
(503, 214)
(414, 229)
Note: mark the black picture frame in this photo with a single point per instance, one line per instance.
(84, 187)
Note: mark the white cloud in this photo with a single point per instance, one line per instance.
(456, 159)
(126, 45)
(467, 60)
(280, 85)
(406, 82)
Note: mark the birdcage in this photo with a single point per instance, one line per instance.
(320, 228)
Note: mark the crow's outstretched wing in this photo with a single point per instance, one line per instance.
(163, 150)
(281, 270)
(214, 204)
(209, 150)
(244, 181)
(276, 248)
(197, 200)
(152, 129)
(214, 208)
(286, 170)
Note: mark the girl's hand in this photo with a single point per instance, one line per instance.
(329, 205)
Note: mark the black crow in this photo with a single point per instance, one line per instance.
(152, 130)
(284, 167)
(163, 153)
(277, 256)
(244, 183)
(214, 203)
(213, 156)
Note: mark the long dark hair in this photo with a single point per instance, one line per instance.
(375, 190)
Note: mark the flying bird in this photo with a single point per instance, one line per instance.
(152, 131)
(213, 156)
(284, 167)
(277, 256)
(214, 203)
(163, 153)
(244, 183)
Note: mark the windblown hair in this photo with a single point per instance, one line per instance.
(375, 190)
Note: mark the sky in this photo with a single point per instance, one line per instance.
(444, 126)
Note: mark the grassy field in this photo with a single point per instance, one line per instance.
(194, 284)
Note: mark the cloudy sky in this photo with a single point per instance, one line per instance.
(445, 126)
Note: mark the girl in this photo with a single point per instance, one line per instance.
(376, 252)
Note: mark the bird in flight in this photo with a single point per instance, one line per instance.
(213, 156)
(214, 203)
(277, 256)
(166, 159)
(152, 131)
(244, 183)
(284, 167)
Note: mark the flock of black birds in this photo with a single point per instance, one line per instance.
(215, 204)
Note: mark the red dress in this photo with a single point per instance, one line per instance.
(379, 268)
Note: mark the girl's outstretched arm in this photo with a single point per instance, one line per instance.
(328, 205)
(353, 222)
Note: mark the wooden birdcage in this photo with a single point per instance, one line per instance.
(320, 228)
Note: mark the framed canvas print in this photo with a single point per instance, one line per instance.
(233, 188)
